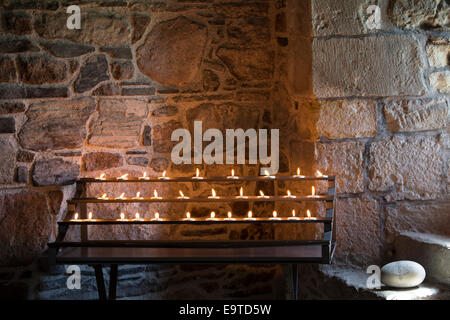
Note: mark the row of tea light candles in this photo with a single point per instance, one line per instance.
(198, 177)
(212, 217)
(212, 196)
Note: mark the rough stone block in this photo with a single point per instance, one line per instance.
(440, 81)
(65, 49)
(370, 66)
(16, 22)
(7, 125)
(438, 52)
(7, 70)
(11, 107)
(54, 172)
(56, 124)
(409, 167)
(41, 69)
(424, 14)
(8, 149)
(347, 119)
(346, 161)
(425, 217)
(101, 160)
(416, 115)
(92, 72)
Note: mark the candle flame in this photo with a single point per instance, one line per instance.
(188, 215)
(181, 194)
(138, 195)
(319, 174)
(122, 195)
(232, 172)
(250, 214)
(156, 215)
(102, 177)
(155, 193)
(213, 192)
(122, 215)
(308, 213)
(76, 216)
(213, 214)
(104, 196)
(229, 214)
(313, 191)
(266, 172)
(274, 214)
(288, 193)
(137, 215)
(90, 215)
(298, 171)
(261, 193)
(164, 173)
(144, 175)
(124, 177)
(241, 191)
(293, 212)
(197, 173)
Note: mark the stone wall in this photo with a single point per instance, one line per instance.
(368, 106)
(378, 104)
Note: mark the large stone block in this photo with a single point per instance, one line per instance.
(332, 17)
(346, 161)
(161, 136)
(16, 22)
(8, 149)
(425, 14)
(440, 81)
(7, 70)
(438, 52)
(13, 45)
(370, 66)
(428, 217)
(25, 226)
(101, 160)
(11, 107)
(410, 167)
(65, 49)
(7, 125)
(416, 115)
(172, 51)
(56, 125)
(118, 123)
(41, 69)
(54, 172)
(247, 64)
(358, 231)
(99, 27)
(93, 71)
(347, 119)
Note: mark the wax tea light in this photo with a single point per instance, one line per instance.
(250, 216)
(313, 193)
(241, 194)
(308, 216)
(138, 196)
(75, 217)
(156, 217)
(182, 196)
(188, 217)
(293, 217)
(121, 197)
(212, 216)
(102, 177)
(289, 195)
(274, 216)
(103, 197)
(261, 195)
(155, 195)
(268, 175)
(232, 175)
(163, 177)
(123, 177)
(197, 175)
(229, 217)
(137, 217)
(144, 177)
(213, 195)
(298, 175)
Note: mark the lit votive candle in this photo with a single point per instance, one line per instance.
(138, 196)
(298, 175)
(90, 215)
(212, 216)
(121, 197)
(155, 195)
(137, 217)
(250, 216)
(313, 193)
(163, 177)
(156, 217)
(320, 175)
(197, 175)
(274, 216)
(103, 197)
(261, 195)
(123, 177)
(229, 217)
(144, 177)
(182, 196)
(293, 217)
(122, 216)
(289, 195)
(75, 217)
(102, 177)
(213, 195)
(232, 175)
(188, 217)
(241, 194)
(308, 216)
(267, 175)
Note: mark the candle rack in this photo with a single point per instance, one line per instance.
(99, 253)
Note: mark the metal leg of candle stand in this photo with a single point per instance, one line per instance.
(294, 269)
(100, 282)
(112, 282)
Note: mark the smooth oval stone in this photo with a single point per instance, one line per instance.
(402, 274)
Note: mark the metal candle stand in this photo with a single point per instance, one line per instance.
(98, 253)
